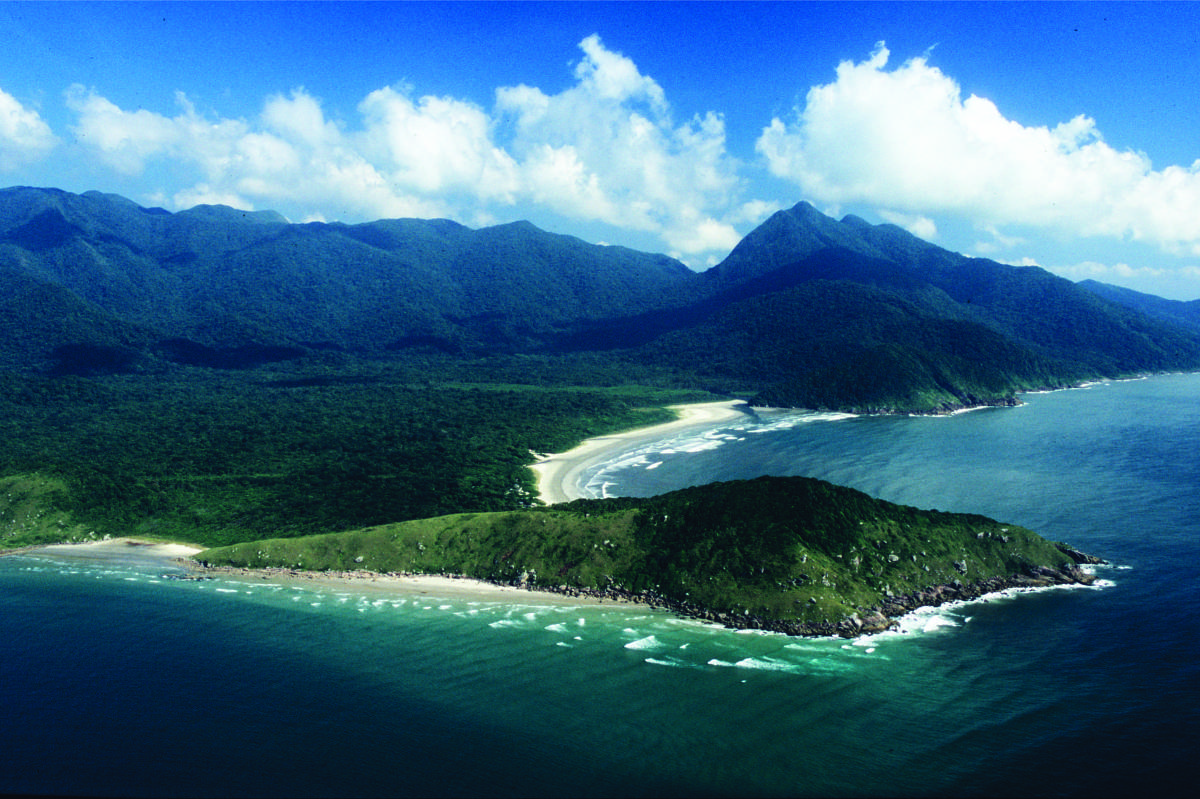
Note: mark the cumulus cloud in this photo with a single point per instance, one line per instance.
(127, 140)
(605, 149)
(905, 140)
(24, 135)
(435, 145)
(916, 224)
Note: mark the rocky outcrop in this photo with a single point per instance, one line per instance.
(863, 622)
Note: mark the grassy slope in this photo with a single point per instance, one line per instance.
(791, 550)
(32, 511)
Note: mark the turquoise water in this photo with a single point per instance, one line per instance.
(114, 680)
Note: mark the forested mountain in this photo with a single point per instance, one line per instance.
(820, 313)
(806, 310)
(1183, 313)
(210, 280)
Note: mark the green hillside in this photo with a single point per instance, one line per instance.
(223, 278)
(793, 554)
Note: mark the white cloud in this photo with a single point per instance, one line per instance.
(1104, 272)
(24, 135)
(920, 226)
(754, 212)
(603, 150)
(436, 145)
(1176, 282)
(907, 141)
(203, 194)
(607, 149)
(127, 140)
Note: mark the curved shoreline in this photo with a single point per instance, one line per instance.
(558, 475)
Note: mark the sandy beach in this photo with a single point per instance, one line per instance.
(173, 555)
(558, 475)
(430, 585)
(99, 550)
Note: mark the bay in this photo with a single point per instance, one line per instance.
(115, 680)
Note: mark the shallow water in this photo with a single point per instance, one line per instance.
(114, 680)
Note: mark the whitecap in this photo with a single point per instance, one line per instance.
(938, 622)
(557, 628)
(502, 623)
(765, 664)
(649, 642)
(672, 663)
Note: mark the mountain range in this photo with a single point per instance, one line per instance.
(806, 311)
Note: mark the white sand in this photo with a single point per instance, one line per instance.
(404, 585)
(558, 475)
(99, 548)
(385, 584)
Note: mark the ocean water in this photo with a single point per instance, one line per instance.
(117, 681)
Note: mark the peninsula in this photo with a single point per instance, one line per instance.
(788, 554)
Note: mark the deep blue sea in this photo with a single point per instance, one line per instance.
(115, 680)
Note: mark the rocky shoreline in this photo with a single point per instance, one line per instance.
(879, 618)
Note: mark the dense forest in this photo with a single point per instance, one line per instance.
(232, 456)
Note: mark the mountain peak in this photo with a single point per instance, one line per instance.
(225, 213)
(793, 235)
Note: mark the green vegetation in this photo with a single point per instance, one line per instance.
(370, 395)
(32, 511)
(216, 457)
(793, 550)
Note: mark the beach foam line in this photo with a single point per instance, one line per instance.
(559, 475)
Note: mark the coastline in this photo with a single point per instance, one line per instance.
(180, 555)
(884, 617)
(558, 474)
(401, 584)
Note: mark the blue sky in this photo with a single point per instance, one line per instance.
(1061, 134)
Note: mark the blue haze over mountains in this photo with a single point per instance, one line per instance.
(806, 310)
